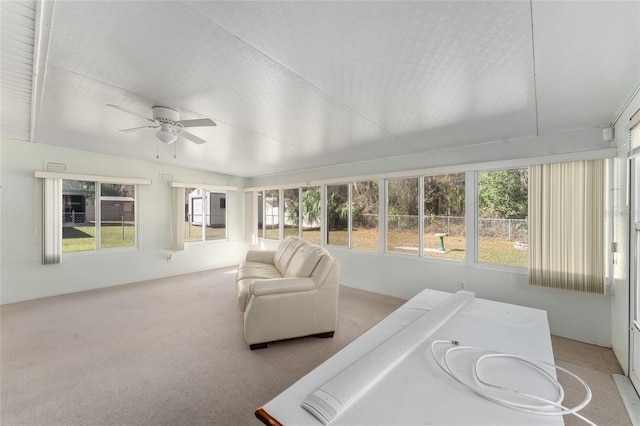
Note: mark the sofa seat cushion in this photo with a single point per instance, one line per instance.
(254, 264)
(257, 270)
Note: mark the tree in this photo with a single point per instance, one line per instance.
(117, 190)
(444, 195)
(338, 207)
(310, 207)
(504, 194)
(365, 195)
(403, 197)
(364, 201)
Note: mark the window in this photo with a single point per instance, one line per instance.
(338, 215)
(260, 232)
(81, 213)
(193, 209)
(87, 225)
(216, 218)
(311, 214)
(271, 214)
(291, 212)
(117, 215)
(205, 215)
(402, 216)
(502, 217)
(444, 216)
(78, 218)
(365, 211)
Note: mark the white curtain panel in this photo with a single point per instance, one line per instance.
(177, 209)
(52, 221)
(566, 225)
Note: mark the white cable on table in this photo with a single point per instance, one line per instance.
(545, 407)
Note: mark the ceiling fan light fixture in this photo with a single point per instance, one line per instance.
(166, 133)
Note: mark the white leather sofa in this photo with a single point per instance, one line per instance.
(286, 293)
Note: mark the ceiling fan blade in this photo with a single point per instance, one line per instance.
(118, 107)
(135, 129)
(192, 137)
(197, 122)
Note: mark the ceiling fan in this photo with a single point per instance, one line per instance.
(167, 121)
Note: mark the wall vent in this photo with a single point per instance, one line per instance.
(54, 166)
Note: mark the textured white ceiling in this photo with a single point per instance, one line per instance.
(17, 23)
(296, 85)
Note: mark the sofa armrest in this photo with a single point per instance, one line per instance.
(281, 285)
(262, 256)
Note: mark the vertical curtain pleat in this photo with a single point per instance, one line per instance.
(566, 225)
(52, 221)
(178, 212)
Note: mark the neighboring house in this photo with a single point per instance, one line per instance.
(74, 204)
(114, 208)
(272, 211)
(214, 211)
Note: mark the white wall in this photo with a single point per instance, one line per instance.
(620, 318)
(574, 315)
(22, 276)
(579, 316)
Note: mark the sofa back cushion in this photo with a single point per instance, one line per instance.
(327, 272)
(304, 261)
(285, 252)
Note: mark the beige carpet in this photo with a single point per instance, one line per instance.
(171, 352)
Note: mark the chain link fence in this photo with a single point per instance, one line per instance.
(452, 225)
(506, 229)
(82, 224)
(366, 221)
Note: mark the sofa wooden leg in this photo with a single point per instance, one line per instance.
(326, 335)
(258, 346)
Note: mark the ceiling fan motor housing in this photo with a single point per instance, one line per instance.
(165, 114)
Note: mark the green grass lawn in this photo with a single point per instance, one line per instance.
(194, 233)
(492, 250)
(495, 250)
(310, 234)
(80, 238)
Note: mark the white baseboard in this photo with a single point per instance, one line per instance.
(629, 397)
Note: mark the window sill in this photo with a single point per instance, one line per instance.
(81, 253)
(523, 270)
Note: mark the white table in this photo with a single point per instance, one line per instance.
(416, 391)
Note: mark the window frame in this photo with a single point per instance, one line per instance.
(380, 189)
(97, 193)
(327, 228)
(471, 173)
(52, 239)
(206, 200)
(420, 218)
(424, 216)
(476, 220)
(278, 215)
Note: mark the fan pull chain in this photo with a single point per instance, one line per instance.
(157, 150)
(174, 150)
